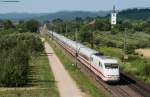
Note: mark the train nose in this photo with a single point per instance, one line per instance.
(113, 79)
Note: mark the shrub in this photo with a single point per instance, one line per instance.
(147, 30)
(114, 31)
(14, 67)
(146, 69)
(110, 44)
(131, 49)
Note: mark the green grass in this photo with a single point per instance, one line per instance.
(137, 66)
(110, 51)
(42, 83)
(85, 84)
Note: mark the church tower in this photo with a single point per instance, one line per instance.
(113, 17)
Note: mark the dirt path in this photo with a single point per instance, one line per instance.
(65, 84)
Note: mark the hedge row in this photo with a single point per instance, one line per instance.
(15, 52)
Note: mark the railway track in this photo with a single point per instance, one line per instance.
(139, 86)
(126, 87)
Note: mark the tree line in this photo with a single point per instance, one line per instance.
(21, 26)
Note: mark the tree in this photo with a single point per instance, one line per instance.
(8, 24)
(127, 24)
(86, 36)
(22, 26)
(88, 19)
(58, 20)
(103, 25)
(32, 25)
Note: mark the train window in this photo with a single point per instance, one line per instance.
(109, 66)
(99, 54)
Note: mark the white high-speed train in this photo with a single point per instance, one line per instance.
(104, 67)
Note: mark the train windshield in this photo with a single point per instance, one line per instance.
(109, 66)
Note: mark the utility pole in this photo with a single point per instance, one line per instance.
(93, 26)
(92, 41)
(53, 31)
(125, 45)
(66, 30)
(59, 28)
(76, 39)
(52, 34)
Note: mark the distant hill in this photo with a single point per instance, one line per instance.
(19, 16)
(70, 15)
(66, 15)
(135, 14)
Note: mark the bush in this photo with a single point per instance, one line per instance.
(147, 30)
(146, 69)
(143, 44)
(131, 49)
(114, 31)
(110, 44)
(97, 41)
(14, 67)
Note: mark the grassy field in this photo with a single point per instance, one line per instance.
(42, 81)
(85, 84)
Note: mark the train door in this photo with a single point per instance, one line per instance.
(94, 65)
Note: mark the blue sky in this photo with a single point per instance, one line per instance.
(43, 6)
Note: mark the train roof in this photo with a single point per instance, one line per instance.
(87, 51)
(110, 61)
(107, 59)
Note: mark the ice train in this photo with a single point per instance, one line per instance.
(103, 66)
